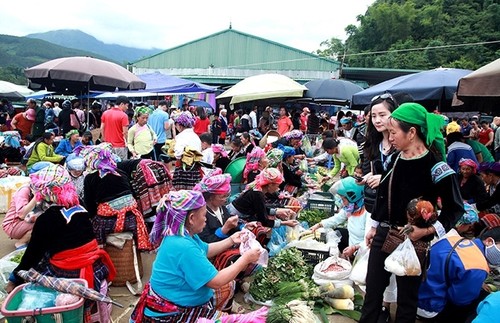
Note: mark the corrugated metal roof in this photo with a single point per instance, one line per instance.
(231, 49)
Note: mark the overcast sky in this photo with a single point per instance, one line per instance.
(166, 24)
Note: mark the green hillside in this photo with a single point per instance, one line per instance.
(18, 53)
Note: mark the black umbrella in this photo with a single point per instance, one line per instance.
(81, 75)
(330, 91)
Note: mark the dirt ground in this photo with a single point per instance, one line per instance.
(123, 296)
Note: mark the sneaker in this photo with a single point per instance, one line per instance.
(384, 316)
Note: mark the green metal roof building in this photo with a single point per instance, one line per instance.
(227, 57)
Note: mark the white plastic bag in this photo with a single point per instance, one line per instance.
(333, 268)
(360, 266)
(403, 261)
(249, 242)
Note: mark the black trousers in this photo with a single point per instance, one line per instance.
(377, 279)
(157, 151)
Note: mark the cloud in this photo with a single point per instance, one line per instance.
(147, 23)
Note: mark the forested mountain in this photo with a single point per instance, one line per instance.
(79, 40)
(18, 53)
(404, 32)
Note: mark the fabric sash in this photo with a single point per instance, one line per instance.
(83, 258)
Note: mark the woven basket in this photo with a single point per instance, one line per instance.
(123, 259)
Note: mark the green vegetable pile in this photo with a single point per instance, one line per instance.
(17, 258)
(288, 267)
(313, 216)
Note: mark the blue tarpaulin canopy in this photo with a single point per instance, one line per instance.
(162, 83)
(436, 84)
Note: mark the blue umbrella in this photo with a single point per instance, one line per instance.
(200, 103)
(436, 84)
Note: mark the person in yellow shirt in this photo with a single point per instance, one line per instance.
(453, 126)
(44, 151)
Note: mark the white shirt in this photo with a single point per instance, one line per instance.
(253, 117)
(208, 156)
(186, 138)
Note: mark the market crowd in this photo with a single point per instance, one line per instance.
(167, 175)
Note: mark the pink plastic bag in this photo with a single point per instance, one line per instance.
(258, 316)
(249, 242)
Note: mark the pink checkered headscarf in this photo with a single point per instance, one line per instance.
(53, 184)
(219, 149)
(266, 176)
(215, 183)
(253, 159)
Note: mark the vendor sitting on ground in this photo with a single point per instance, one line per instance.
(183, 280)
(66, 146)
(44, 151)
(62, 242)
(292, 175)
(256, 162)
(251, 204)
(20, 218)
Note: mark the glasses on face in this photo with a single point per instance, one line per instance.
(385, 96)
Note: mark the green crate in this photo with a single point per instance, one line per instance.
(325, 204)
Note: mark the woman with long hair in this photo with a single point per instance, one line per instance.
(43, 151)
(202, 123)
(418, 171)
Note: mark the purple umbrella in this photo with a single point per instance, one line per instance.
(65, 285)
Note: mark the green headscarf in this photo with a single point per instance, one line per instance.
(429, 123)
(275, 156)
(140, 110)
(71, 133)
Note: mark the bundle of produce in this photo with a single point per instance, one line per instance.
(313, 216)
(292, 312)
(287, 266)
(342, 300)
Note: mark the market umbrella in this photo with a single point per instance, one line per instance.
(80, 75)
(64, 285)
(483, 82)
(264, 86)
(13, 91)
(330, 90)
(436, 84)
(201, 103)
(163, 83)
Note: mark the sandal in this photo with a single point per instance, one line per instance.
(237, 308)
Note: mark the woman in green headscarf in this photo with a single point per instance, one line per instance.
(70, 142)
(417, 171)
(141, 137)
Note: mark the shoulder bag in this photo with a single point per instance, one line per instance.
(394, 238)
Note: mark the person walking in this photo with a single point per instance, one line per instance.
(114, 126)
(158, 121)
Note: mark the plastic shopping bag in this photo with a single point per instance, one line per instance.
(403, 261)
(249, 242)
(360, 266)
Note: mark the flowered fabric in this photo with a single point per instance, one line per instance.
(53, 184)
(98, 158)
(287, 151)
(253, 159)
(185, 119)
(172, 213)
(275, 157)
(215, 183)
(219, 149)
(468, 162)
(470, 216)
(294, 134)
(491, 220)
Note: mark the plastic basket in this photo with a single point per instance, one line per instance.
(68, 314)
(314, 257)
(325, 204)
